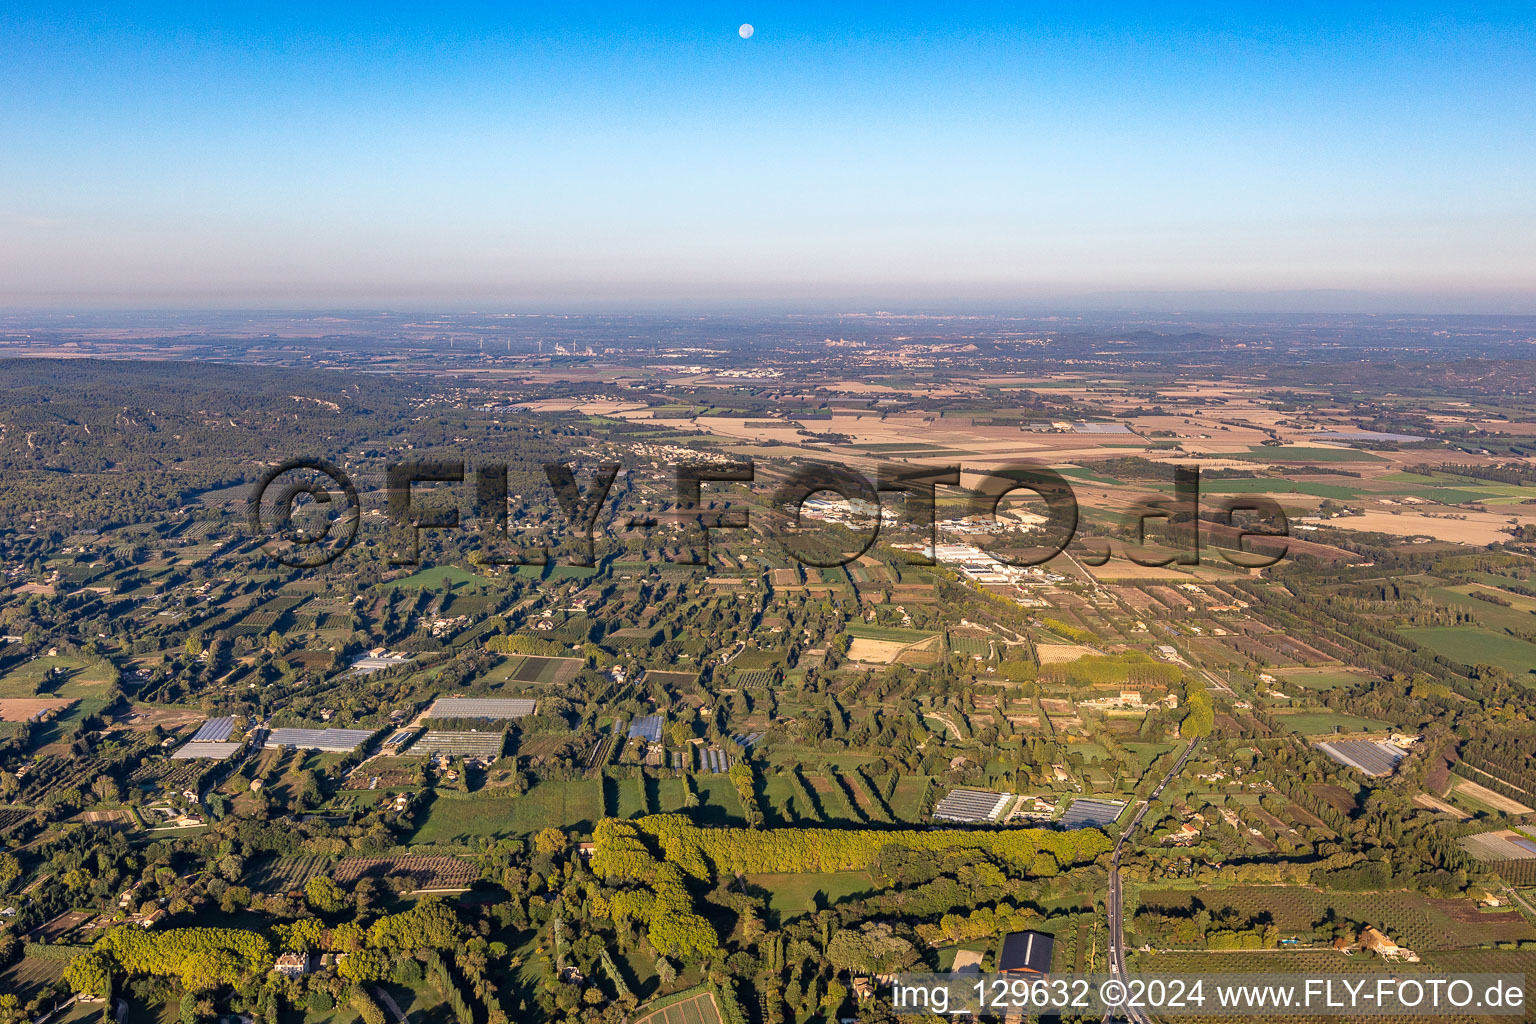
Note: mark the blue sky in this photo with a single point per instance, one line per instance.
(571, 156)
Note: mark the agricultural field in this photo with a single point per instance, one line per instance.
(574, 804)
(718, 802)
(851, 699)
(29, 975)
(60, 926)
(422, 872)
(434, 577)
(534, 669)
(286, 874)
(887, 634)
(23, 709)
(1418, 922)
(1325, 723)
(1479, 798)
(682, 681)
(790, 896)
(1319, 678)
(60, 677)
(1320, 963)
(1472, 645)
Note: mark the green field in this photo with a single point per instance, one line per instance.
(909, 791)
(1319, 678)
(1439, 485)
(433, 577)
(1260, 453)
(1517, 616)
(577, 804)
(1472, 645)
(718, 802)
(790, 896)
(778, 793)
(80, 679)
(1320, 723)
(1146, 753)
(1279, 488)
(669, 795)
(627, 797)
(1090, 751)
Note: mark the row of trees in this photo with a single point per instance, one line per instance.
(622, 847)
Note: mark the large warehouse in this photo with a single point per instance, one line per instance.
(334, 741)
(484, 745)
(496, 708)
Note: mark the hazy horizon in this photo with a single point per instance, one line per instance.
(607, 158)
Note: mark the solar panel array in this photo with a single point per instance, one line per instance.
(215, 730)
(1091, 813)
(971, 806)
(646, 727)
(461, 744)
(481, 707)
(1370, 756)
(338, 741)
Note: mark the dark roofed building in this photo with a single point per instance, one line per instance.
(1026, 953)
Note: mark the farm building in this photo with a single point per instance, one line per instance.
(714, 760)
(486, 745)
(1026, 953)
(377, 661)
(219, 751)
(971, 806)
(1091, 813)
(646, 727)
(1375, 758)
(336, 741)
(210, 740)
(214, 730)
(481, 707)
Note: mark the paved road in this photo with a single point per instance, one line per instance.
(1115, 901)
(387, 1001)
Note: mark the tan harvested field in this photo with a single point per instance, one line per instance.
(20, 709)
(875, 652)
(1467, 528)
(1056, 654)
(1121, 568)
(1436, 804)
(1484, 795)
(598, 407)
(145, 716)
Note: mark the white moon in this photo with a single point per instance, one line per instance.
(746, 31)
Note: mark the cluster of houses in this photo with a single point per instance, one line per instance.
(1129, 700)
